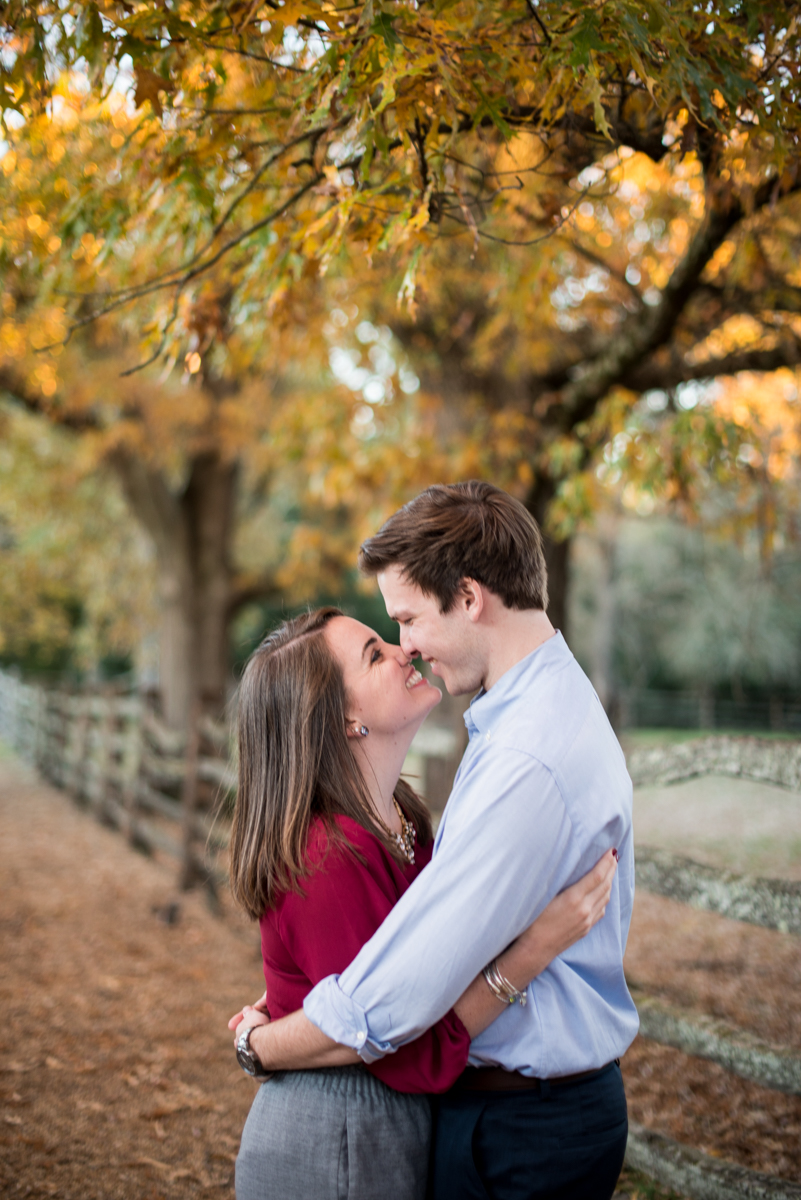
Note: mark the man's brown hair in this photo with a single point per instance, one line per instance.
(457, 531)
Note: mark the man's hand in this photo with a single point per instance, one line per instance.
(250, 1015)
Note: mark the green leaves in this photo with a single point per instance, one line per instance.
(585, 39)
(384, 27)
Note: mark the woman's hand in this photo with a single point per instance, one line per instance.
(250, 1015)
(572, 914)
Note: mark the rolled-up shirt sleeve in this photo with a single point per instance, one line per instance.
(504, 852)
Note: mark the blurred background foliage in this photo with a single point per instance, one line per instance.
(77, 581)
(270, 269)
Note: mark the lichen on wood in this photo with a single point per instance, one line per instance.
(761, 759)
(708, 1037)
(772, 903)
(698, 1175)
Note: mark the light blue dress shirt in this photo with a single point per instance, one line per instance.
(541, 794)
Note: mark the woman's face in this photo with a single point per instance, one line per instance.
(384, 691)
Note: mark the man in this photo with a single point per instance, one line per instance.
(542, 792)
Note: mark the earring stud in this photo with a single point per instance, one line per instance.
(363, 730)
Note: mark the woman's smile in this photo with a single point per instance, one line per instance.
(415, 679)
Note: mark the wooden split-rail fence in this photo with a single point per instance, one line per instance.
(771, 903)
(112, 753)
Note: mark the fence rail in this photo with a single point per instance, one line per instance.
(773, 903)
(112, 753)
(655, 709)
(698, 1175)
(708, 1037)
(761, 759)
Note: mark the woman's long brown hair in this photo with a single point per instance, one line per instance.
(296, 763)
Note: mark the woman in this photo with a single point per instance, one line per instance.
(326, 838)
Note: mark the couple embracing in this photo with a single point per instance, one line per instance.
(444, 1016)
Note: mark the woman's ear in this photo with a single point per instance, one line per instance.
(355, 729)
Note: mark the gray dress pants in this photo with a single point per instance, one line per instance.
(333, 1134)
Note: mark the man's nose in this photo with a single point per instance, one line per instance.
(407, 644)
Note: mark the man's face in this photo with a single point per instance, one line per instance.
(449, 642)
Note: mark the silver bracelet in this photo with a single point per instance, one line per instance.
(500, 987)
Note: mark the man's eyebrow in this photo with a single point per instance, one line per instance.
(370, 641)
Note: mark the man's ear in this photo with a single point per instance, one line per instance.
(471, 598)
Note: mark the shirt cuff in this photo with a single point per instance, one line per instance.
(343, 1020)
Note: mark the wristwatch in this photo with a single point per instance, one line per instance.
(247, 1057)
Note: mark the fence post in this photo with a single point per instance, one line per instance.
(76, 743)
(50, 756)
(193, 867)
(189, 865)
(130, 768)
(98, 752)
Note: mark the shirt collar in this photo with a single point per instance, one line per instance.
(488, 706)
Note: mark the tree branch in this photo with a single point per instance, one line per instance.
(532, 8)
(779, 297)
(654, 375)
(249, 591)
(180, 283)
(598, 261)
(19, 393)
(651, 330)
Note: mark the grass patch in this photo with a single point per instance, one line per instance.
(635, 738)
(635, 1186)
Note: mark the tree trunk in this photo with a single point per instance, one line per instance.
(557, 555)
(208, 505)
(176, 635)
(602, 670)
(191, 531)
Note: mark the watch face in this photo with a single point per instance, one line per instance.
(245, 1058)
(244, 1055)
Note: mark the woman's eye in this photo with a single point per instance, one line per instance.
(374, 657)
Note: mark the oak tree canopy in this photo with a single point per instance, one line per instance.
(555, 208)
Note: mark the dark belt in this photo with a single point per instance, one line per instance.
(496, 1079)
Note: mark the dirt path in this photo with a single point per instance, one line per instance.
(117, 1077)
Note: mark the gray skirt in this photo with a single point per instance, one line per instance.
(333, 1134)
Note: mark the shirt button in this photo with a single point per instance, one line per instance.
(360, 1036)
(489, 735)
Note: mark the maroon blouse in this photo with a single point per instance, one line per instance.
(306, 937)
